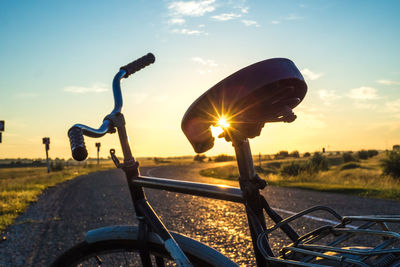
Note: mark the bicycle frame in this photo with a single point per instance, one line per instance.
(248, 194)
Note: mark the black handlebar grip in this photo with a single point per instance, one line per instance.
(138, 64)
(78, 147)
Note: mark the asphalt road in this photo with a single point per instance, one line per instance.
(64, 213)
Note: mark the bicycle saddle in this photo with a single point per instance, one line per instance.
(266, 91)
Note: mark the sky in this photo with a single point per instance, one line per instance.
(58, 59)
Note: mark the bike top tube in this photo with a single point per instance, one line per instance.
(105, 127)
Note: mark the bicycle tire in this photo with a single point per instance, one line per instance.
(91, 254)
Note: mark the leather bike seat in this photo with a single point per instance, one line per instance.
(266, 91)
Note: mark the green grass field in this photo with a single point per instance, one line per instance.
(363, 178)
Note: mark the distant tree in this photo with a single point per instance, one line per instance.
(306, 155)
(294, 154)
(362, 154)
(223, 157)
(282, 154)
(372, 153)
(209, 159)
(199, 157)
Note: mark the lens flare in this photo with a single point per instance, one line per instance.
(223, 122)
(216, 131)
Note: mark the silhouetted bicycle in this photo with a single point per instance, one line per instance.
(266, 91)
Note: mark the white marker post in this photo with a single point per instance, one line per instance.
(1, 128)
(98, 152)
(46, 141)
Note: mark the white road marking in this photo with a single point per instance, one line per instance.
(314, 218)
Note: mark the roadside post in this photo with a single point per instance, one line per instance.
(98, 152)
(1, 128)
(46, 142)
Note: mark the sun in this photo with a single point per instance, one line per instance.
(223, 122)
(219, 127)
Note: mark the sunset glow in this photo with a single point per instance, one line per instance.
(71, 64)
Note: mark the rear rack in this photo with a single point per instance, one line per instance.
(371, 243)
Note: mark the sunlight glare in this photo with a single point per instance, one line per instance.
(216, 131)
(223, 122)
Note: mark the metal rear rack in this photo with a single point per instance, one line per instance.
(371, 243)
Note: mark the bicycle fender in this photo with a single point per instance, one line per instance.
(123, 232)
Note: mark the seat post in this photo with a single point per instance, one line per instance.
(251, 193)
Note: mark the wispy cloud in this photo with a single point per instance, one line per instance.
(388, 82)
(226, 16)
(393, 106)
(245, 10)
(363, 93)
(207, 65)
(310, 75)
(293, 17)
(204, 62)
(176, 21)
(327, 96)
(191, 8)
(188, 31)
(96, 88)
(250, 23)
(276, 22)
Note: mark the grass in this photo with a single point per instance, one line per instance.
(363, 178)
(21, 186)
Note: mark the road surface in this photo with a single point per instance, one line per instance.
(64, 213)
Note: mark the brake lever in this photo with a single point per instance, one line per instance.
(115, 158)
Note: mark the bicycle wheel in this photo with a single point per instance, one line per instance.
(125, 252)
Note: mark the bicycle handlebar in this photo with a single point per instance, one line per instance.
(76, 132)
(138, 64)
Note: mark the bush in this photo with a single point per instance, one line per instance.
(335, 160)
(348, 156)
(306, 155)
(57, 165)
(199, 157)
(273, 165)
(363, 154)
(293, 169)
(350, 165)
(391, 164)
(265, 170)
(160, 160)
(319, 162)
(295, 154)
(372, 153)
(223, 157)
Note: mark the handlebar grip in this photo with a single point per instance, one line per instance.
(138, 64)
(77, 142)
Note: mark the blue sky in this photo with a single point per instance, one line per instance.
(57, 60)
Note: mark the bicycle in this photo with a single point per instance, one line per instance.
(266, 91)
